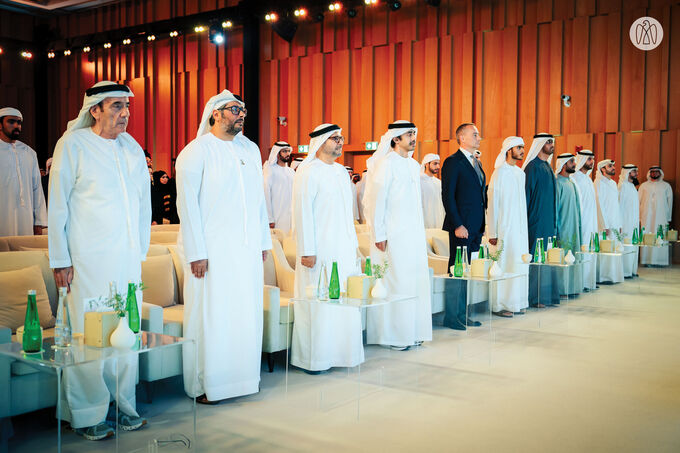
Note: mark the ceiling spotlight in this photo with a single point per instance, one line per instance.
(151, 38)
(227, 24)
(271, 17)
(335, 7)
(352, 13)
(49, 54)
(27, 55)
(216, 36)
(394, 5)
(301, 12)
(0, 50)
(370, 2)
(173, 34)
(107, 45)
(67, 52)
(126, 41)
(86, 49)
(199, 28)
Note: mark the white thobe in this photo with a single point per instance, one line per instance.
(397, 217)
(507, 221)
(629, 206)
(355, 202)
(608, 212)
(22, 200)
(324, 335)
(656, 208)
(586, 195)
(433, 208)
(99, 222)
(278, 194)
(223, 218)
(361, 187)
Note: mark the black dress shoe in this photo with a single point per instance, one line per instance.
(472, 323)
(456, 326)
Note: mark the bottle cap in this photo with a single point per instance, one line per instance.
(31, 292)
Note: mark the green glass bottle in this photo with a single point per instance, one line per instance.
(334, 285)
(634, 240)
(659, 232)
(537, 251)
(543, 253)
(368, 270)
(604, 234)
(481, 252)
(132, 309)
(32, 339)
(591, 245)
(458, 264)
(597, 243)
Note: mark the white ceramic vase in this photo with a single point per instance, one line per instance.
(570, 258)
(379, 291)
(526, 258)
(494, 270)
(123, 337)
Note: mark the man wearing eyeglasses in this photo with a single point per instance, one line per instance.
(224, 237)
(324, 231)
(541, 193)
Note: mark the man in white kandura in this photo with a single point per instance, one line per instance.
(324, 336)
(278, 186)
(607, 195)
(431, 191)
(99, 224)
(608, 219)
(629, 206)
(585, 161)
(394, 213)
(656, 208)
(361, 189)
(223, 240)
(353, 187)
(22, 200)
(506, 228)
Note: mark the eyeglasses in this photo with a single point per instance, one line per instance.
(337, 139)
(235, 110)
(550, 141)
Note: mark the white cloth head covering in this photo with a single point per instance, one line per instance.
(508, 144)
(625, 171)
(318, 137)
(654, 167)
(536, 146)
(274, 153)
(296, 162)
(10, 111)
(581, 159)
(561, 160)
(213, 104)
(601, 164)
(348, 168)
(399, 127)
(93, 96)
(430, 157)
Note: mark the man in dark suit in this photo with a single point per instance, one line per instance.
(464, 198)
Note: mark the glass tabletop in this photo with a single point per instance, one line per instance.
(79, 353)
(353, 302)
(506, 276)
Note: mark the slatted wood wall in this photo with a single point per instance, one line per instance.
(500, 64)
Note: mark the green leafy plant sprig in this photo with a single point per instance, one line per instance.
(379, 270)
(495, 256)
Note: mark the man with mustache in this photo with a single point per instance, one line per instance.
(394, 213)
(568, 224)
(507, 226)
(608, 210)
(278, 186)
(541, 195)
(324, 232)
(22, 200)
(629, 205)
(223, 240)
(431, 188)
(585, 161)
(99, 227)
(656, 208)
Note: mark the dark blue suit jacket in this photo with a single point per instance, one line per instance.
(463, 196)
